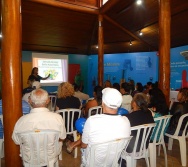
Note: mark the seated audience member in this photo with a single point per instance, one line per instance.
(157, 106)
(39, 118)
(29, 88)
(127, 98)
(107, 84)
(149, 86)
(78, 94)
(138, 89)
(65, 97)
(178, 109)
(97, 101)
(35, 85)
(157, 103)
(140, 115)
(107, 126)
(132, 86)
(116, 86)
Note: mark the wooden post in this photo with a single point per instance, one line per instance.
(11, 76)
(164, 46)
(100, 51)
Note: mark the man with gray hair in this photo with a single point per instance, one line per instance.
(39, 117)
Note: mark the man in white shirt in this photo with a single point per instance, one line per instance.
(107, 126)
(39, 117)
(78, 94)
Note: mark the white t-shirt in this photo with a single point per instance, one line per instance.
(126, 103)
(102, 128)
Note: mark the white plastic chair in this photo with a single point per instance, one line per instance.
(69, 117)
(104, 154)
(52, 103)
(94, 110)
(40, 148)
(1, 140)
(142, 132)
(158, 140)
(181, 138)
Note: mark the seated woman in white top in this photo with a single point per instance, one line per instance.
(127, 98)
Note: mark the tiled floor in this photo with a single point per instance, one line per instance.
(173, 158)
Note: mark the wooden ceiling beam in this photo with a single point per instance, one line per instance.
(92, 38)
(127, 31)
(68, 6)
(105, 8)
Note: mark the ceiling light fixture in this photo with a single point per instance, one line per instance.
(140, 33)
(0, 35)
(130, 43)
(97, 47)
(139, 2)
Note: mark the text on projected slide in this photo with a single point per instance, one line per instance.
(52, 67)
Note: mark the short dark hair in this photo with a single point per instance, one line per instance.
(126, 87)
(116, 86)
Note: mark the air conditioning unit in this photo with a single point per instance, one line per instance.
(184, 54)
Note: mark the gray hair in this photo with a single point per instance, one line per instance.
(39, 97)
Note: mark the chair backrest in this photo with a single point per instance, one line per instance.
(138, 145)
(52, 103)
(171, 103)
(1, 127)
(39, 147)
(70, 116)
(106, 154)
(91, 98)
(159, 130)
(94, 110)
(185, 129)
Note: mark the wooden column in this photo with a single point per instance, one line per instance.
(164, 46)
(11, 76)
(100, 51)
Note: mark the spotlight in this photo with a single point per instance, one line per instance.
(140, 33)
(97, 47)
(139, 2)
(0, 35)
(130, 43)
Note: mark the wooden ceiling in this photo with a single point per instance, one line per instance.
(71, 26)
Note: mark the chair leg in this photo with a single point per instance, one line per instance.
(129, 161)
(76, 149)
(159, 150)
(152, 154)
(165, 154)
(57, 163)
(134, 161)
(182, 143)
(170, 143)
(60, 156)
(147, 162)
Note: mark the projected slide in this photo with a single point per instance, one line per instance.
(52, 67)
(55, 67)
